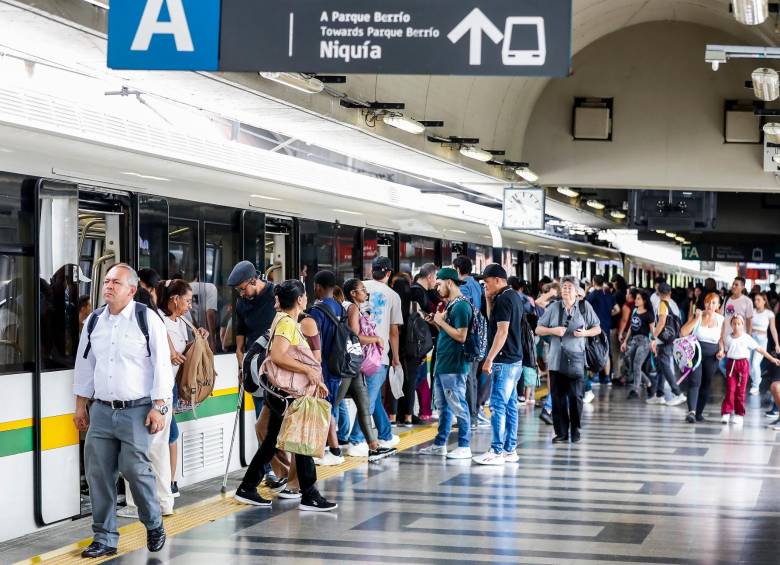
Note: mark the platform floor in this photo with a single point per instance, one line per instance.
(642, 487)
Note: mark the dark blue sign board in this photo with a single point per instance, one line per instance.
(445, 37)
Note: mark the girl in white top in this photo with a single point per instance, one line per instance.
(739, 349)
(763, 323)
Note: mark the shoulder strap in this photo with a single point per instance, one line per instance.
(560, 312)
(91, 323)
(143, 325)
(325, 310)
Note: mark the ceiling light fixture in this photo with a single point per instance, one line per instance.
(617, 214)
(566, 191)
(766, 84)
(660, 231)
(264, 197)
(596, 204)
(309, 85)
(581, 252)
(671, 234)
(476, 153)
(772, 132)
(342, 211)
(526, 174)
(403, 123)
(680, 238)
(751, 12)
(145, 177)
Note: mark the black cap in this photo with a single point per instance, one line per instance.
(243, 271)
(494, 270)
(381, 265)
(664, 288)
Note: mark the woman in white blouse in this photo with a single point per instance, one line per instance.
(763, 323)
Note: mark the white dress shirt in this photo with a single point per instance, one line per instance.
(118, 366)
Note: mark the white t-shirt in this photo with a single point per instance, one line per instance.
(761, 320)
(204, 297)
(177, 331)
(742, 305)
(385, 309)
(710, 335)
(740, 347)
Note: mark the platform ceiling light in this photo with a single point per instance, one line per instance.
(772, 132)
(476, 153)
(766, 84)
(680, 238)
(618, 214)
(342, 211)
(671, 234)
(566, 191)
(145, 177)
(751, 12)
(595, 204)
(309, 85)
(264, 197)
(526, 174)
(660, 231)
(581, 252)
(403, 123)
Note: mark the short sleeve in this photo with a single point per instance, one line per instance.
(212, 297)
(502, 312)
(396, 316)
(752, 343)
(591, 320)
(546, 319)
(749, 309)
(663, 309)
(286, 328)
(460, 316)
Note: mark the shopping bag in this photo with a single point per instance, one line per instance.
(396, 377)
(305, 427)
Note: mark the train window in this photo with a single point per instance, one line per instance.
(212, 298)
(510, 262)
(348, 256)
(316, 240)
(253, 230)
(480, 255)
(17, 287)
(415, 252)
(153, 233)
(183, 249)
(59, 274)
(278, 249)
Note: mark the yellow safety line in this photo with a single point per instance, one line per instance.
(133, 536)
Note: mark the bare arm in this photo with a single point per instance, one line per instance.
(659, 327)
(626, 314)
(279, 348)
(309, 329)
(240, 350)
(394, 344)
(502, 331)
(457, 334)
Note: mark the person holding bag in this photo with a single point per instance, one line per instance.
(571, 325)
(291, 371)
(637, 344)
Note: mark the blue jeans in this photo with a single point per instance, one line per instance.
(503, 406)
(547, 406)
(383, 428)
(342, 421)
(451, 401)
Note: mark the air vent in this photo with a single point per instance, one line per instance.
(201, 450)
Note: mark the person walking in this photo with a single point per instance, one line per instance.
(638, 343)
(667, 310)
(763, 325)
(571, 323)
(122, 383)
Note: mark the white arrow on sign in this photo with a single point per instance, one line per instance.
(475, 23)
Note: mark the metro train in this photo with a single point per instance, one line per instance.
(73, 202)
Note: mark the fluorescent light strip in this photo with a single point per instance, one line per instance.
(146, 177)
(264, 197)
(342, 211)
(403, 123)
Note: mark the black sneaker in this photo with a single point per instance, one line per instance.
(155, 539)
(691, 417)
(380, 453)
(699, 418)
(560, 439)
(632, 394)
(252, 497)
(546, 417)
(316, 503)
(175, 490)
(575, 438)
(276, 485)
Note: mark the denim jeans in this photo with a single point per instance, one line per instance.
(343, 422)
(383, 427)
(503, 405)
(451, 401)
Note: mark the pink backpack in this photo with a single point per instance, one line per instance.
(372, 353)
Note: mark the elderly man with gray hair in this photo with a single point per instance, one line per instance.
(569, 322)
(122, 378)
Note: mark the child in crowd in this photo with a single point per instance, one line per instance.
(739, 348)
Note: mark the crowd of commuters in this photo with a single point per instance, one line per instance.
(458, 345)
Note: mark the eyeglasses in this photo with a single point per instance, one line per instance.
(242, 287)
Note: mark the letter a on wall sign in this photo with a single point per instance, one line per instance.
(164, 34)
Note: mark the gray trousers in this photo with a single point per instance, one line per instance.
(637, 351)
(118, 442)
(471, 390)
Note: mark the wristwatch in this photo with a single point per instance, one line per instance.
(161, 409)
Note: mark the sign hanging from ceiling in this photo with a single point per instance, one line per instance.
(438, 37)
(731, 253)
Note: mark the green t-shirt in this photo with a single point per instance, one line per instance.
(449, 353)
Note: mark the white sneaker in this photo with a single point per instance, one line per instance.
(521, 401)
(328, 459)
(392, 442)
(725, 418)
(736, 420)
(460, 453)
(656, 400)
(511, 456)
(677, 400)
(489, 458)
(434, 449)
(128, 512)
(357, 450)
(589, 396)
(754, 390)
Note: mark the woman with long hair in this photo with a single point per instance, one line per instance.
(637, 343)
(706, 325)
(291, 296)
(763, 322)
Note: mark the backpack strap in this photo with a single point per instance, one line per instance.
(91, 323)
(143, 325)
(328, 314)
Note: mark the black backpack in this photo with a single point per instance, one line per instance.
(253, 359)
(596, 347)
(140, 319)
(528, 342)
(346, 353)
(418, 336)
(672, 327)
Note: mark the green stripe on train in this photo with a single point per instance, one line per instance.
(213, 406)
(13, 442)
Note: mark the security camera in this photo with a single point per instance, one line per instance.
(715, 65)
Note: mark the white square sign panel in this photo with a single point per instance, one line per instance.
(524, 208)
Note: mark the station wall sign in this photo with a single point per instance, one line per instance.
(444, 37)
(732, 253)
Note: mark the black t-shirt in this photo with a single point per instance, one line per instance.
(255, 316)
(640, 323)
(507, 307)
(620, 299)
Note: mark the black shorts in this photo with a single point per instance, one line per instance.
(773, 374)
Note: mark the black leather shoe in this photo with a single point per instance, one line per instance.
(546, 417)
(155, 539)
(560, 439)
(97, 549)
(575, 438)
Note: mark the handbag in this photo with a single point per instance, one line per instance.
(572, 363)
(305, 426)
(372, 352)
(293, 384)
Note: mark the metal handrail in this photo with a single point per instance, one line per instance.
(95, 267)
(84, 231)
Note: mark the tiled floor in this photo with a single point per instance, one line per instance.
(642, 487)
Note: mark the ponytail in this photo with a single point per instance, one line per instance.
(168, 289)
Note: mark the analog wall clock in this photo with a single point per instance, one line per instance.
(524, 208)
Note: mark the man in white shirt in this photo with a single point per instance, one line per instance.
(385, 311)
(128, 379)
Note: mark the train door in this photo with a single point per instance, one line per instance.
(81, 233)
(378, 244)
(278, 259)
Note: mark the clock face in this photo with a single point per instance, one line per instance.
(524, 209)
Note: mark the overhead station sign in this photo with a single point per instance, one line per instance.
(445, 37)
(731, 253)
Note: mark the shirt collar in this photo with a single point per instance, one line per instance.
(127, 311)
